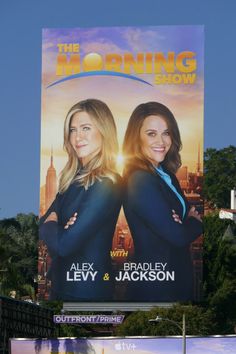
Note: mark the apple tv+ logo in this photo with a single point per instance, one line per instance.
(122, 346)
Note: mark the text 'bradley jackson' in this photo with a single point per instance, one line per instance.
(145, 272)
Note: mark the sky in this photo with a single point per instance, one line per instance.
(21, 24)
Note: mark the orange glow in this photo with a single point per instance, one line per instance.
(92, 61)
(137, 64)
(168, 64)
(113, 62)
(67, 66)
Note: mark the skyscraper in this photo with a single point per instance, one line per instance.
(198, 167)
(51, 184)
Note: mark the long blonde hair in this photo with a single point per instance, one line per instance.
(104, 163)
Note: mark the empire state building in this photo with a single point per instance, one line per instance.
(51, 184)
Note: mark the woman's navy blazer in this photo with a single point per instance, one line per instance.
(148, 205)
(88, 241)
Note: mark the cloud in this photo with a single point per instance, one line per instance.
(101, 46)
(141, 39)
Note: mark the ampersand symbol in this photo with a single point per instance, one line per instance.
(106, 276)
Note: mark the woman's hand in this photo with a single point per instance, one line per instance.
(194, 213)
(176, 217)
(51, 217)
(71, 221)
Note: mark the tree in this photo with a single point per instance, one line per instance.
(214, 229)
(220, 175)
(219, 254)
(217, 313)
(220, 271)
(198, 319)
(18, 240)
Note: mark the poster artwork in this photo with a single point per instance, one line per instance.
(121, 164)
(136, 345)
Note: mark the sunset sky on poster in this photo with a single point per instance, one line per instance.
(122, 95)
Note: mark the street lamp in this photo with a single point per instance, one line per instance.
(183, 328)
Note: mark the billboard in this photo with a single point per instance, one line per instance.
(121, 164)
(142, 345)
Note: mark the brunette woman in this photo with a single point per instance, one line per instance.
(160, 219)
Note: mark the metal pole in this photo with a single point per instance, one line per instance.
(184, 334)
(158, 319)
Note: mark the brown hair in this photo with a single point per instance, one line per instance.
(134, 157)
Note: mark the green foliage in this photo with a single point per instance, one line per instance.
(223, 305)
(220, 272)
(220, 175)
(18, 250)
(219, 254)
(18, 255)
(199, 322)
(213, 257)
(217, 314)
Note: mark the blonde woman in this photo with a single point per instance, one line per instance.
(79, 226)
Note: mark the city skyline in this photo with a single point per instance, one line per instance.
(123, 249)
(21, 60)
